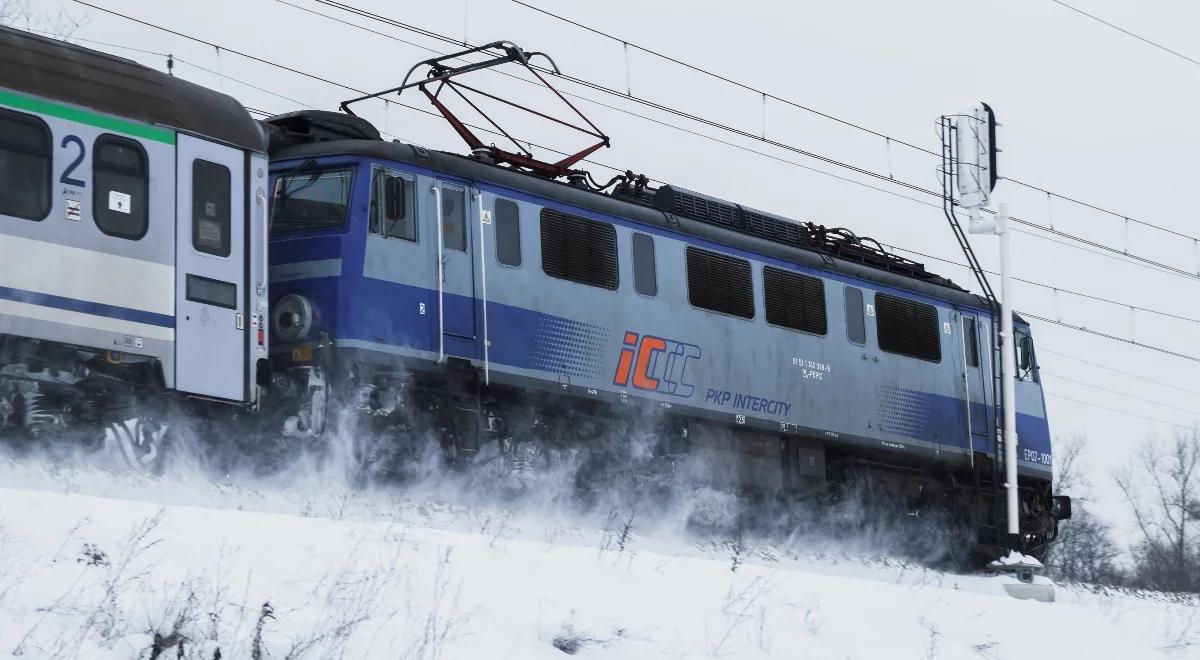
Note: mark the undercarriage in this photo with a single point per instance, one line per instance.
(397, 418)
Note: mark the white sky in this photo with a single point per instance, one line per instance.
(1086, 111)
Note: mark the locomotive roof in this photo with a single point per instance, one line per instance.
(57, 70)
(334, 142)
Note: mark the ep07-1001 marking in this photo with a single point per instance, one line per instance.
(1035, 456)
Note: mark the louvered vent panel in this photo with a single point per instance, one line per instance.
(775, 229)
(719, 283)
(579, 249)
(907, 327)
(706, 210)
(794, 301)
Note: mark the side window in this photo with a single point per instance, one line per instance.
(971, 340)
(121, 196)
(210, 208)
(645, 277)
(794, 301)
(508, 233)
(579, 249)
(856, 324)
(719, 283)
(393, 207)
(454, 219)
(1026, 362)
(907, 327)
(24, 166)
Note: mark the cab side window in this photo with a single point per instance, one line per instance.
(508, 233)
(24, 166)
(1026, 361)
(120, 173)
(454, 219)
(856, 323)
(393, 207)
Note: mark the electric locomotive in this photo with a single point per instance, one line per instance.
(133, 215)
(771, 356)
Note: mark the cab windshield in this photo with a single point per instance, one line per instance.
(310, 200)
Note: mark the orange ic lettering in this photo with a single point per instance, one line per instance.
(641, 376)
(626, 360)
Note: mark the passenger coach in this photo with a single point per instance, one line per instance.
(132, 243)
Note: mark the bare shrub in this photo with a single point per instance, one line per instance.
(1085, 550)
(21, 14)
(743, 613)
(444, 620)
(1163, 489)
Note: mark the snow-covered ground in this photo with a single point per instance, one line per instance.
(97, 565)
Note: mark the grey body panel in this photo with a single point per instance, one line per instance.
(70, 257)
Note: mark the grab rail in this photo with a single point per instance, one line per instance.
(437, 193)
(483, 280)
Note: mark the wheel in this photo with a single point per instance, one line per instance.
(141, 443)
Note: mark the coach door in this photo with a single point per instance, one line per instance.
(456, 252)
(210, 320)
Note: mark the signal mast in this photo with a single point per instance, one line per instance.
(969, 149)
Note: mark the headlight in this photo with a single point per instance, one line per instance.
(292, 318)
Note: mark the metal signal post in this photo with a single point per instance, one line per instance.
(1008, 360)
(974, 171)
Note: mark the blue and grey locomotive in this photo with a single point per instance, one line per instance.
(132, 245)
(779, 355)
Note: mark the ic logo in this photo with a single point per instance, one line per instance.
(656, 364)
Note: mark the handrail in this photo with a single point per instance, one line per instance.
(441, 270)
(487, 379)
(962, 328)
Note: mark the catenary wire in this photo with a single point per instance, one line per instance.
(1105, 335)
(1044, 350)
(1119, 411)
(1119, 393)
(1113, 251)
(1158, 312)
(1127, 32)
(795, 104)
(725, 79)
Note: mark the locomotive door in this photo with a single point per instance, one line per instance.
(977, 372)
(456, 252)
(210, 273)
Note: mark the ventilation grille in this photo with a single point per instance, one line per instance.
(579, 249)
(794, 301)
(777, 229)
(907, 328)
(719, 283)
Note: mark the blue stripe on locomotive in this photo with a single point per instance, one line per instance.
(534, 340)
